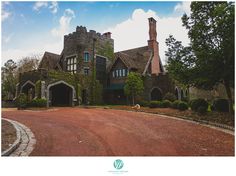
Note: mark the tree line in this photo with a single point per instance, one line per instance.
(11, 71)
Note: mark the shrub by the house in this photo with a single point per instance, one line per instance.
(155, 104)
(170, 96)
(201, 110)
(21, 101)
(182, 106)
(221, 105)
(175, 104)
(38, 102)
(166, 104)
(144, 103)
(195, 104)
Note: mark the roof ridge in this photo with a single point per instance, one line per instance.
(51, 53)
(132, 49)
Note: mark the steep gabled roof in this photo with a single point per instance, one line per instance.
(136, 58)
(49, 61)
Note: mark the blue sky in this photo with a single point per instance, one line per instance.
(30, 28)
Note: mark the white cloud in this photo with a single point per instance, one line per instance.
(64, 23)
(38, 5)
(5, 14)
(133, 32)
(183, 7)
(17, 54)
(53, 7)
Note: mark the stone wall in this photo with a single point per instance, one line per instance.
(210, 95)
(82, 40)
(162, 81)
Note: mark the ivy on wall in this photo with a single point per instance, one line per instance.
(38, 89)
(106, 50)
(80, 83)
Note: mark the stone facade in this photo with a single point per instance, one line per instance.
(88, 67)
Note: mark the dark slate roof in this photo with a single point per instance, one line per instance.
(136, 58)
(49, 60)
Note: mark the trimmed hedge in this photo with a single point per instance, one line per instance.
(155, 104)
(166, 104)
(182, 106)
(39, 102)
(195, 104)
(21, 101)
(144, 103)
(221, 105)
(201, 110)
(175, 104)
(169, 96)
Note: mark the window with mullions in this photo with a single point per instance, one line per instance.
(86, 56)
(71, 64)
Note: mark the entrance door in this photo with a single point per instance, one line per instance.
(156, 94)
(61, 95)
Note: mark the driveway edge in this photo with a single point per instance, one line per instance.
(217, 126)
(17, 142)
(25, 142)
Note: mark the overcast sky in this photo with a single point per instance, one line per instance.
(31, 28)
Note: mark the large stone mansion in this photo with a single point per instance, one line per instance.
(88, 54)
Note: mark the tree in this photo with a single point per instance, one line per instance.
(8, 79)
(209, 60)
(28, 64)
(133, 85)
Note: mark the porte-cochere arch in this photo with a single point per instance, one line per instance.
(156, 94)
(60, 93)
(28, 88)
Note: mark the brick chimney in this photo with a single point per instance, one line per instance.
(153, 45)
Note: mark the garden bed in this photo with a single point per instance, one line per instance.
(215, 117)
(8, 135)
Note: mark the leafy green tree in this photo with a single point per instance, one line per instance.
(133, 85)
(209, 60)
(8, 79)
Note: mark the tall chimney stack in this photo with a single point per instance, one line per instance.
(153, 45)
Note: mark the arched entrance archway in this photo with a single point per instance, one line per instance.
(60, 94)
(156, 94)
(28, 88)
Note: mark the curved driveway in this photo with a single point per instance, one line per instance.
(106, 132)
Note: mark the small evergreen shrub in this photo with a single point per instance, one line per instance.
(155, 104)
(175, 104)
(195, 104)
(169, 96)
(144, 103)
(201, 110)
(182, 106)
(185, 99)
(166, 104)
(39, 102)
(21, 101)
(212, 108)
(221, 105)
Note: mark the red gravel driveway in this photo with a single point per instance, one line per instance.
(106, 132)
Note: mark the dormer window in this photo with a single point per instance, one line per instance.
(71, 63)
(86, 56)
